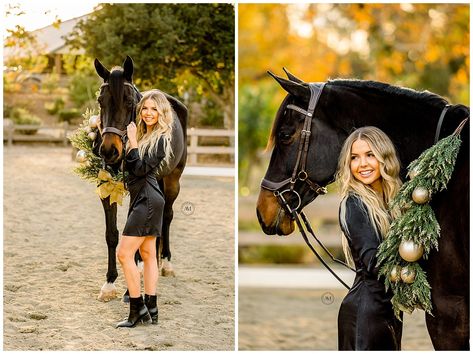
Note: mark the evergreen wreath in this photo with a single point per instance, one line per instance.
(108, 182)
(413, 234)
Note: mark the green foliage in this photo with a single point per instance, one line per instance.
(54, 107)
(272, 254)
(255, 115)
(165, 40)
(67, 115)
(82, 87)
(432, 170)
(23, 116)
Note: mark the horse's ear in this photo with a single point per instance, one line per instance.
(101, 70)
(128, 69)
(292, 77)
(294, 88)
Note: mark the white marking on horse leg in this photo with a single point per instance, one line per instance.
(140, 266)
(167, 270)
(108, 292)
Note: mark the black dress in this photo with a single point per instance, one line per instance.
(366, 319)
(145, 216)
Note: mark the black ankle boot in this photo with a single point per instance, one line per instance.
(151, 304)
(138, 313)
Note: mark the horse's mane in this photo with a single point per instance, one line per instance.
(116, 85)
(422, 97)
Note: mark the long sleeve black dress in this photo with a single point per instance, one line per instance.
(145, 215)
(366, 319)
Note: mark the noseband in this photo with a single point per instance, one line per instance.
(299, 173)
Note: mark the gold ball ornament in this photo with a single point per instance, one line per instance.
(81, 156)
(94, 121)
(420, 195)
(410, 251)
(92, 135)
(104, 175)
(395, 274)
(413, 173)
(87, 129)
(408, 275)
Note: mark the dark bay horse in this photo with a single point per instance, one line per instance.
(410, 118)
(118, 99)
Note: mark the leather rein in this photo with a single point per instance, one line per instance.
(300, 174)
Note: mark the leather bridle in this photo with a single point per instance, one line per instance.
(121, 133)
(300, 174)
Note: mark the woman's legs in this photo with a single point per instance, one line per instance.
(150, 269)
(126, 256)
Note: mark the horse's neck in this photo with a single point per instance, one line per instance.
(411, 127)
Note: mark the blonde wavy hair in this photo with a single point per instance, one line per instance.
(148, 141)
(389, 166)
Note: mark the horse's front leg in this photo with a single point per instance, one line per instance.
(108, 291)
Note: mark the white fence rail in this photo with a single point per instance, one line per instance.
(59, 133)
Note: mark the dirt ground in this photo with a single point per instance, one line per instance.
(300, 319)
(55, 260)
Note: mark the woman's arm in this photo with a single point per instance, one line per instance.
(362, 234)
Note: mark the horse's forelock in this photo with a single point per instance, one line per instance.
(116, 84)
(277, 123)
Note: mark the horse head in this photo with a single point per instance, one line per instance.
(117, 99)
(297, 176)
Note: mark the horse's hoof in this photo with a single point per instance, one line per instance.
(167, 270)
(108, 292)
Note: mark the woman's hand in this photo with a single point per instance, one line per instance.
(131, 133)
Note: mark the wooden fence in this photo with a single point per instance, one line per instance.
(59, 134)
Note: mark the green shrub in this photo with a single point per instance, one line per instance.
(82, 88)
(54, 107)
(22, 116)
(66, 115)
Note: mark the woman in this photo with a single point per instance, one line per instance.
(149, 145)
(368, 177)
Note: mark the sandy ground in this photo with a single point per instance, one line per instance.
(55, 260)
(298, 319)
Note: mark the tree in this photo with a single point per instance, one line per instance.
(165, 41)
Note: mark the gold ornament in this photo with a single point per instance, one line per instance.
(92, 135)
(410, 251)
(94, 121)
(408, 275)
(104, 175)
(81, 156)
(420, 195)
(395, 274)
(413, 173)
(87, 129)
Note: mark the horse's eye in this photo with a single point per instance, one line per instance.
(285, 137)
